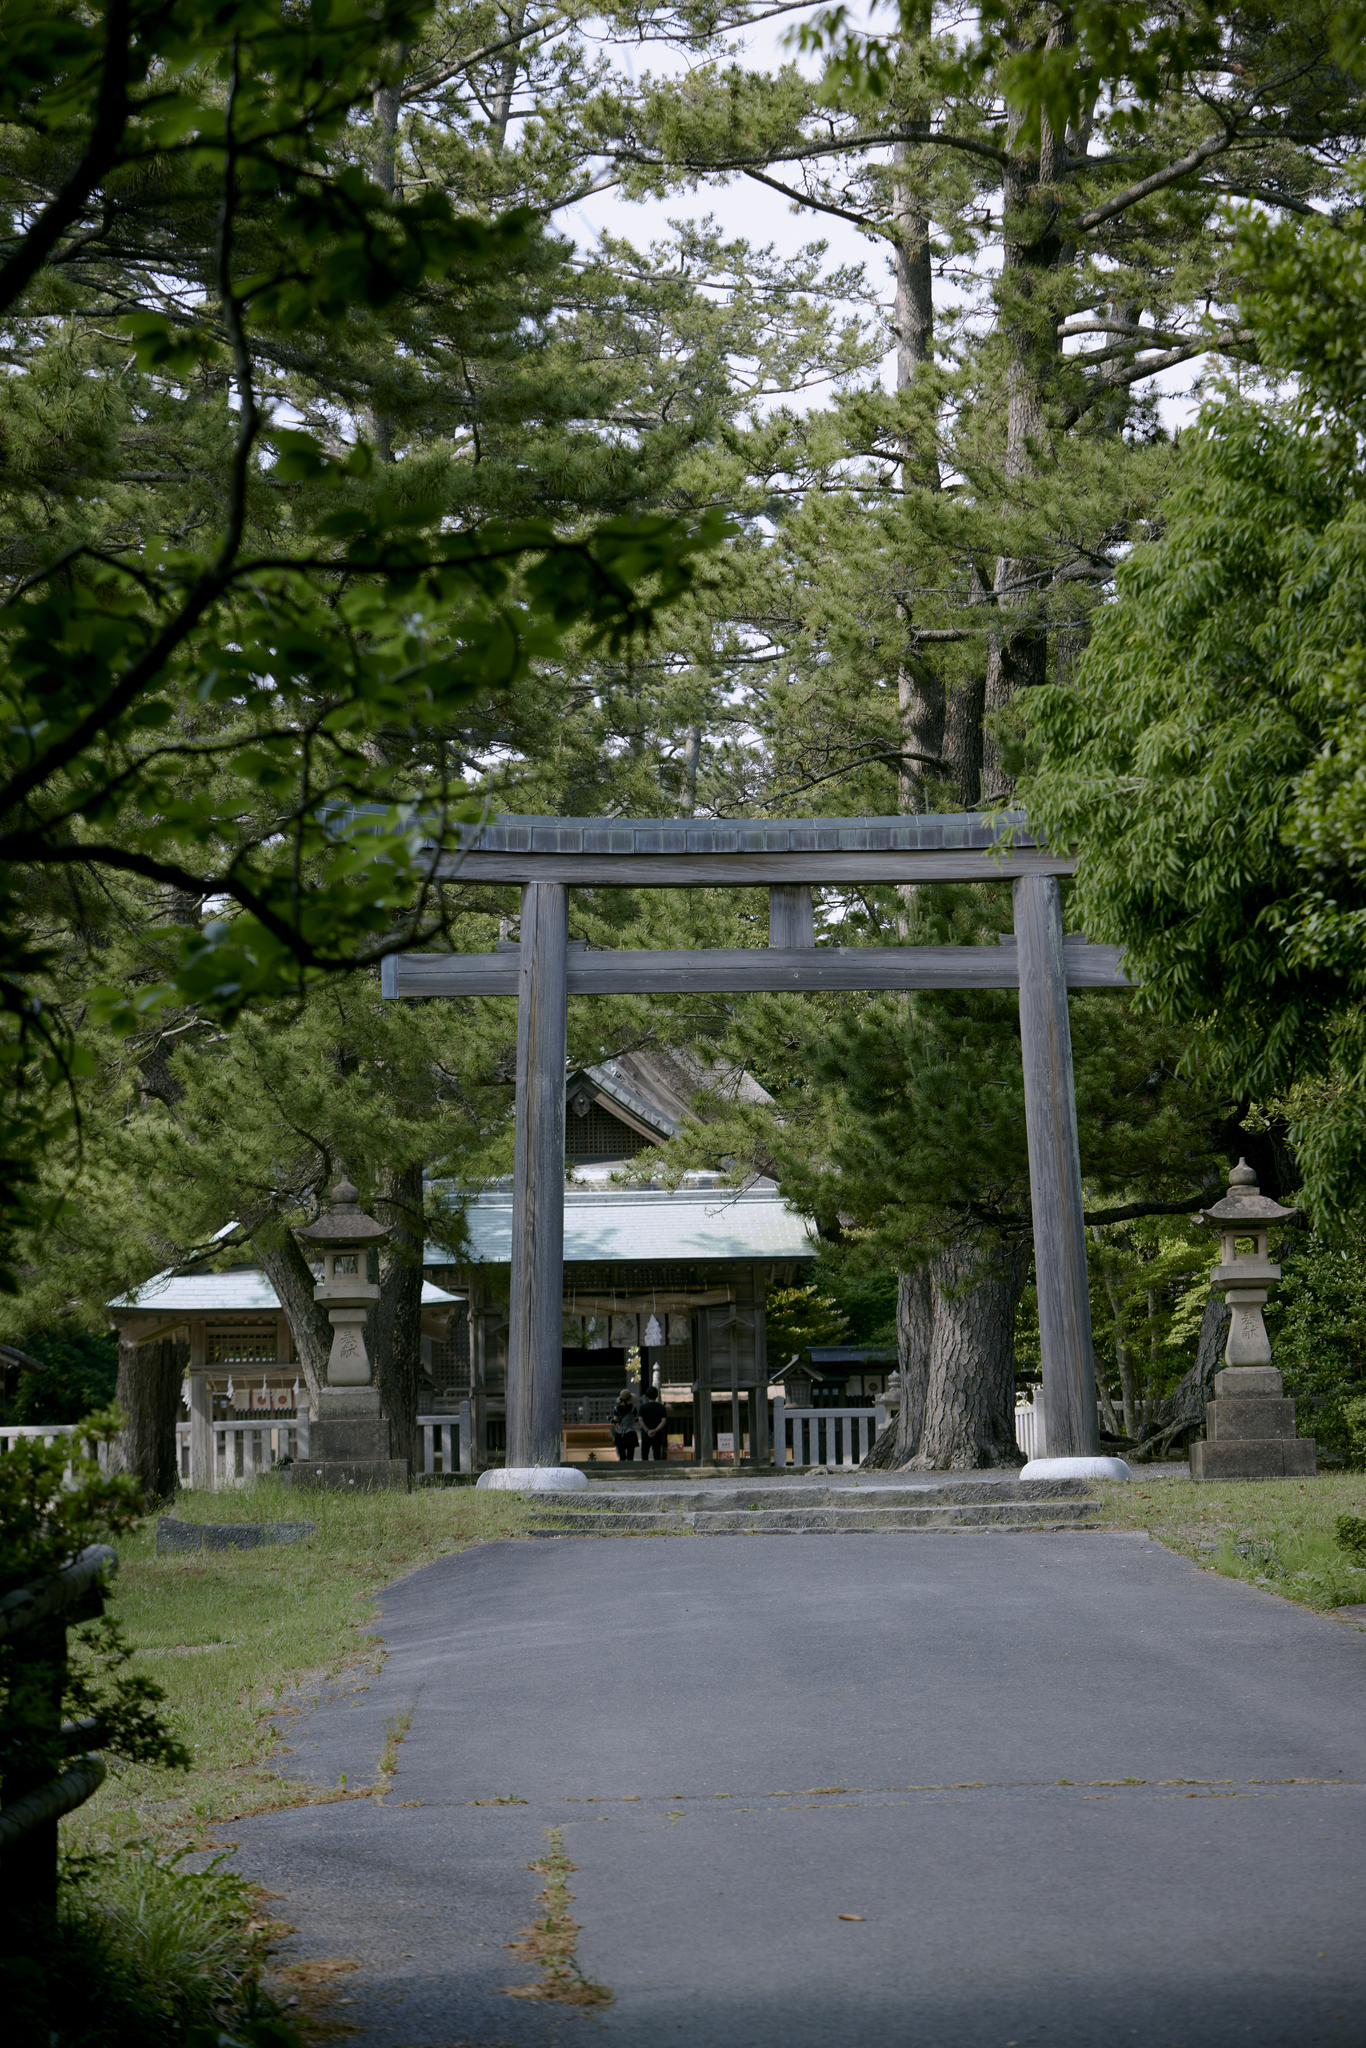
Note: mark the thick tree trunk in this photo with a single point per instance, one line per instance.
(289, 1273)
(963, 739)
(914, 315)
(149, 1383)
(914, 1342)
(898, 1442)
(397, 1322)
(970, 1397)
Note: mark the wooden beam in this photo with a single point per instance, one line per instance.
(791, 917)
(537, 1278)
(1069, 1371)
(746, 970)
(749, 870)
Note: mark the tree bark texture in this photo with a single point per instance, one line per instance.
(149, 1383)
(914, 315)
(969, 1420)
(500, 113)
(898, 1442)
(1017, 656)
(920, 693)
(914, 1345)
(397, 1323)
(289, 1273)
(692, 754)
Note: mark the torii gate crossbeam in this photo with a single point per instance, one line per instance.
(548, 856)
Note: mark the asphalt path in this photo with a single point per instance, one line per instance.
(1077, 1791)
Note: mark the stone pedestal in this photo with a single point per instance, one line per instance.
(1250, 1430)
(348, 1443)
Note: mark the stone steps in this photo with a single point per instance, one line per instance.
(788, 1510)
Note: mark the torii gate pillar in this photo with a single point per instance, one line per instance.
(535, 1310)
(1069, 1367)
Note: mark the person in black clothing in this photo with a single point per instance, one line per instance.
(623, 1426)
(654, 1426)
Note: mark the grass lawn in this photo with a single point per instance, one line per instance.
(1276, 1533)
(235, 1637)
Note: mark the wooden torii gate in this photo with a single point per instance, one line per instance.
(549, 856)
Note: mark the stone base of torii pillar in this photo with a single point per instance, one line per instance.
(533, 1479)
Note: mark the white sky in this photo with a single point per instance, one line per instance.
(746, 209)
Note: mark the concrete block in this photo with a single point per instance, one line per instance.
(361, 1474)
(365, 1437)
(1249, 1458)
(1248, 1382)
(174, 1536)
(231, 1535)
(347, 1404)
(1227, 1421)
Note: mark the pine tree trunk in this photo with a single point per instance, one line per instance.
(289, 1273)
(149, 1383)
(898, 1442)
(914, 1336)
(397, 1323)
(692, 754)
(920, 693)
(970, 1396)
(1017, 656)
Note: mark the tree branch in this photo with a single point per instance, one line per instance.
(111, 118)
(1128, 1211)
(879, 228)
(1214, 145)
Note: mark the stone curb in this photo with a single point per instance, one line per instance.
(174, 1536)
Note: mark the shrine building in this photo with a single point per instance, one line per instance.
(663, 1285)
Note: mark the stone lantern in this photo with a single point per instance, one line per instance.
(348, 1443)
(1250, 1427)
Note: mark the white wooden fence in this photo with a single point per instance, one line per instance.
(447, 1441)
(243, 1449)
(824, 1436)
(1029, 1428)
(240, 1450)
(844, 1436)
(12, 1432)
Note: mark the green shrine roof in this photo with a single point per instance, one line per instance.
(688, 1225)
